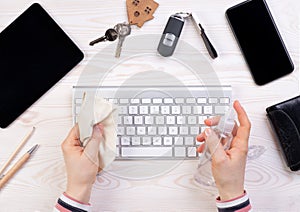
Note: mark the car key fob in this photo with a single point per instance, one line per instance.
(171, 35)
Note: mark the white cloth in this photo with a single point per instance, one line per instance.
(94, 110)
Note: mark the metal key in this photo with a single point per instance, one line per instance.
(110, 35)
(123, 31)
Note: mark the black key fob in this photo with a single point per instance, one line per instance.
(170, 36)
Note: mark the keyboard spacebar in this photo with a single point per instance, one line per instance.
(147, 152)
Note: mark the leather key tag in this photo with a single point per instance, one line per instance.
(140, 11)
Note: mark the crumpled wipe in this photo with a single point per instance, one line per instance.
(95, 110)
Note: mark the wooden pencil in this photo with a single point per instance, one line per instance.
(26, 138)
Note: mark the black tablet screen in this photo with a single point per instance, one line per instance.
(35, 54)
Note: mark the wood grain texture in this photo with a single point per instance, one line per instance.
(38, 184)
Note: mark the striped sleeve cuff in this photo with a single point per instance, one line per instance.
(239, 204)
(68, 204)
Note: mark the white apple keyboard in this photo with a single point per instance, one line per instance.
(160, 122)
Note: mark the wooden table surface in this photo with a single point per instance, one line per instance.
(38, 184)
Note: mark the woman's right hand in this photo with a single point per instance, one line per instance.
(228, 166)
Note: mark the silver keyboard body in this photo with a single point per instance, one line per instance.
(160, 122)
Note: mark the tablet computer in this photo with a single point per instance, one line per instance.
(35, 53)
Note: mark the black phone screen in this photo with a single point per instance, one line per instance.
(260, 41)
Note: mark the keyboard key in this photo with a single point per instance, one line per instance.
(179, 151)
(221, 109)
(224, 100)
(130, 130)
(162, 130)
(203, 129)
(146, 141)
(213, 100)
(152, 130)
(170, 120)
(168, 141)
(125, 141)
(141, 130)
(183, 130)
(173, 130)
(127, 120)
(78, 101)
(201, 119)
(149, 120)
(160, 120)
(192, 120)
(189, 141)
(197, 109)
(165, 110)
(120, 120)
(157, 101)
(144, 110)
(186, 110)
(118, 141)
(168, 101)
(122, 110)
(207, 110)
(157, 141)
(201, 101)
(77, 109)
(154, 109)
(180, 120)
(136, 141)
(179, 100)
(195, 130)
(146, 101)
(190, 100)
(135, 101)
(124, 101)
(191, 152)
(120, 131)
(138, 120)
(133, 110)
(175, 110)
(146, 152)
(113, 101)
(178, 141)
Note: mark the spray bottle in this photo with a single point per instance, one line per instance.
(224, 137)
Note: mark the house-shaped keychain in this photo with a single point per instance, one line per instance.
(140, 11)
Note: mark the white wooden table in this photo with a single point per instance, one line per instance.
(38, 184)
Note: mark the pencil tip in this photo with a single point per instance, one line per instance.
(33, 149)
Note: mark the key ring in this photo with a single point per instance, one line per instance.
(183, 15)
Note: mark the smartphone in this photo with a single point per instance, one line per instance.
(260, 41)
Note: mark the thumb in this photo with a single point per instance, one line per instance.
(97, 134)
(92, 148)
(213, 143)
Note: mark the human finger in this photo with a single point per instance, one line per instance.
(235, 128)
(213, 143)
(92, 148)
(201, 148)
(243, 131)
(73, 138)
(74, 133)
(212, 121)
(200, 137)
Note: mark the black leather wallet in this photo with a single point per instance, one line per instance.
(285, 120)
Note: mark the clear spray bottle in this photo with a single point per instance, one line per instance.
(223, 132)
